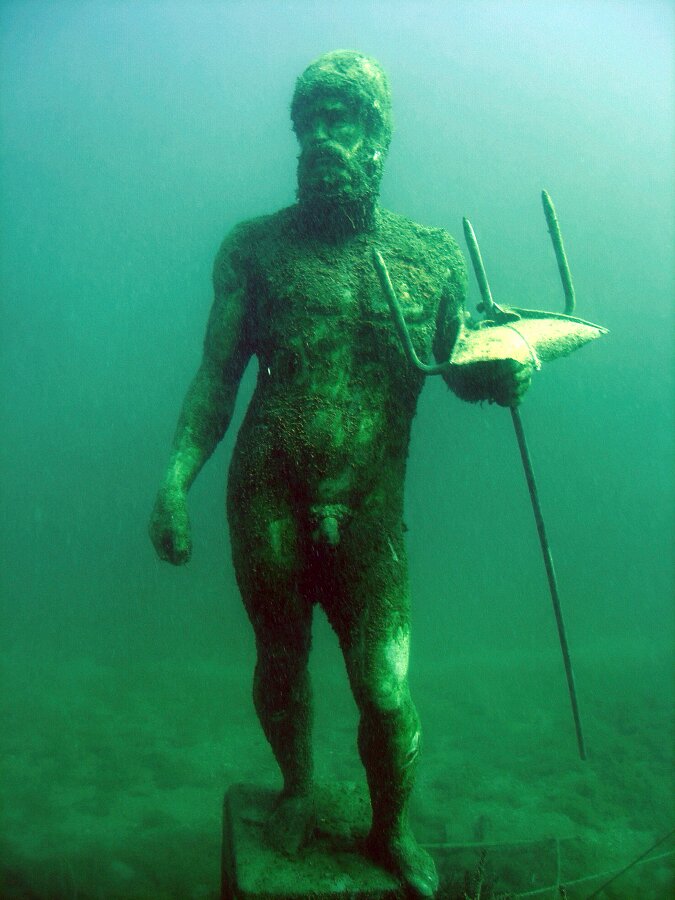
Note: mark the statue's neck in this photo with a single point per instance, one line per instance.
(334, 221)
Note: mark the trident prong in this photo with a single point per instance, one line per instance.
(560, 255)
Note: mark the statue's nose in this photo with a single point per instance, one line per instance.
(320, 130)
(315, 137)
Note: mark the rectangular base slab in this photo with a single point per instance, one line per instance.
(330, 867)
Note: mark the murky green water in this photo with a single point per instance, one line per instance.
(133, 136)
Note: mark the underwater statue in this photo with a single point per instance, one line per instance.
(315, 493)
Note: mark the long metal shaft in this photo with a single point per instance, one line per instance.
(488, 303)
(550, 573)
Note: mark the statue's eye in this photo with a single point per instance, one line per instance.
(335, 116)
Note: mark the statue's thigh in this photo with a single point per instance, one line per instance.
(266, 554)
(369, 609)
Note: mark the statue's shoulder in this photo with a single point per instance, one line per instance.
(253, 234)
(434, 248)
(251, 241)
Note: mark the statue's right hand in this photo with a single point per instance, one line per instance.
(170, 527)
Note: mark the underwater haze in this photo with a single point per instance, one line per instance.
(134, 136)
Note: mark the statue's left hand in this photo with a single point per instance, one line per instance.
(508, 381)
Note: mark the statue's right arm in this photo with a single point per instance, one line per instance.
(207, 408)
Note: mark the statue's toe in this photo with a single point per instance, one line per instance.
(404, 857)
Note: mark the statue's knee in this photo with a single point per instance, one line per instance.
(281, 676)
(383, 696)
(412, 748)
(385, 683)
(281, 661)
(390, 736)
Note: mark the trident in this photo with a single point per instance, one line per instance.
(539, 336)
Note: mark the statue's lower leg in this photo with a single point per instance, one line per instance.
(389, 747)
(283, 701)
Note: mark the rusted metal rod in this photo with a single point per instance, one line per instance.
(488, 303)
(560, 255)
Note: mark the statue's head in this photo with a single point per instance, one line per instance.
(341, 112)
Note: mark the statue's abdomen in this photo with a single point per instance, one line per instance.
(325, 423)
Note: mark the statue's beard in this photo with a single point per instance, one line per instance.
(330, 181)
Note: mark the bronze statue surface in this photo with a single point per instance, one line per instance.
(315, 495)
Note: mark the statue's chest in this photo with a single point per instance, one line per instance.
(334, 294)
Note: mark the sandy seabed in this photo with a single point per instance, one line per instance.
(113, 775)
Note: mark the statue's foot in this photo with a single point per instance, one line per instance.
(292, 822)
(403, 856)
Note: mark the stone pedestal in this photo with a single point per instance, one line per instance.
(330, 867)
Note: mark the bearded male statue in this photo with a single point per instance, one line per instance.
(315, 494)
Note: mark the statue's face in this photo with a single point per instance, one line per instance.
(336, 155)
